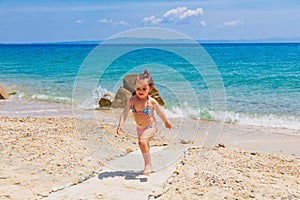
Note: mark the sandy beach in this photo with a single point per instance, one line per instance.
(43, 156)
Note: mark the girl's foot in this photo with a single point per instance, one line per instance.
(147, 170)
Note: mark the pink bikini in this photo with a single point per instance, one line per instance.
(145, 111)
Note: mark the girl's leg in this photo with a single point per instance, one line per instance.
(144, 139)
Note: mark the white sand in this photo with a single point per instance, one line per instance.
(44, 157)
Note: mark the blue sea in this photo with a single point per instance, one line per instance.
(261, 80)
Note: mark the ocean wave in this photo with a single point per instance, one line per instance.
(189, 112)
(92, 102)
(263, 120)
(44, 97)
(51, 98)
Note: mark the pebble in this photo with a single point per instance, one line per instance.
(166, 187)
(186, 142)
(54, 189)
(238, 180)
(198, 193)
(81, 179)
(170, 180)
(3, 177)
(222, 145)
(44, 194)
(75, 182)
(176, 172)
(129, 150)
(151, 197)
(109, 158)
(68, 185)
(61, 187)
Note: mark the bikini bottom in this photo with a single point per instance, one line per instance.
(141, 131)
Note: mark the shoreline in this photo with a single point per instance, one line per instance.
(236, 135)
(33, 107)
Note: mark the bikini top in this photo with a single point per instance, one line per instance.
(145, 111)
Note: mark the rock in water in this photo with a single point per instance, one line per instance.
(125, 92)
(155, 95)
(106, 100)
(129, 82)
(121, 98)
(3, 92)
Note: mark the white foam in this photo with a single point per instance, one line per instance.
(49, 98)
(184, 112)
(271, 120)
(91, 102)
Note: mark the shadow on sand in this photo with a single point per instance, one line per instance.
(128, 175)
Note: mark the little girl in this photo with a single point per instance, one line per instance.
(142, 107)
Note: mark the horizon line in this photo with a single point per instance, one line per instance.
(264, 40)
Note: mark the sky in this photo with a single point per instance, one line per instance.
(26, 21)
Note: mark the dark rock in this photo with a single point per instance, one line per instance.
(155, 94)
(129, 84)
(106, 100)
(222, 145)
(125, 92)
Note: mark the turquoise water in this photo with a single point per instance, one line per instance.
(261, 81)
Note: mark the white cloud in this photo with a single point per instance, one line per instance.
(105, 21)
(191, 13)
(203, 23)
(174, 15)
(152, 20)
(110, 21)
(122, 23)
(79, 21)
(231, 23)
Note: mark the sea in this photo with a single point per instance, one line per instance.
(259, 83)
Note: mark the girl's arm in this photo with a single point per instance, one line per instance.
(123, 117)
(161, 114)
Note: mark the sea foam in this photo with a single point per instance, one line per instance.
(263, 120)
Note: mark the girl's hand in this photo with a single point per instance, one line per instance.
(120, 129)
(168, 124)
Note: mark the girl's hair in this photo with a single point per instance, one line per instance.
(146, 76)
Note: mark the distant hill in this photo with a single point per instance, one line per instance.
(174, 41)
(171, 41)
